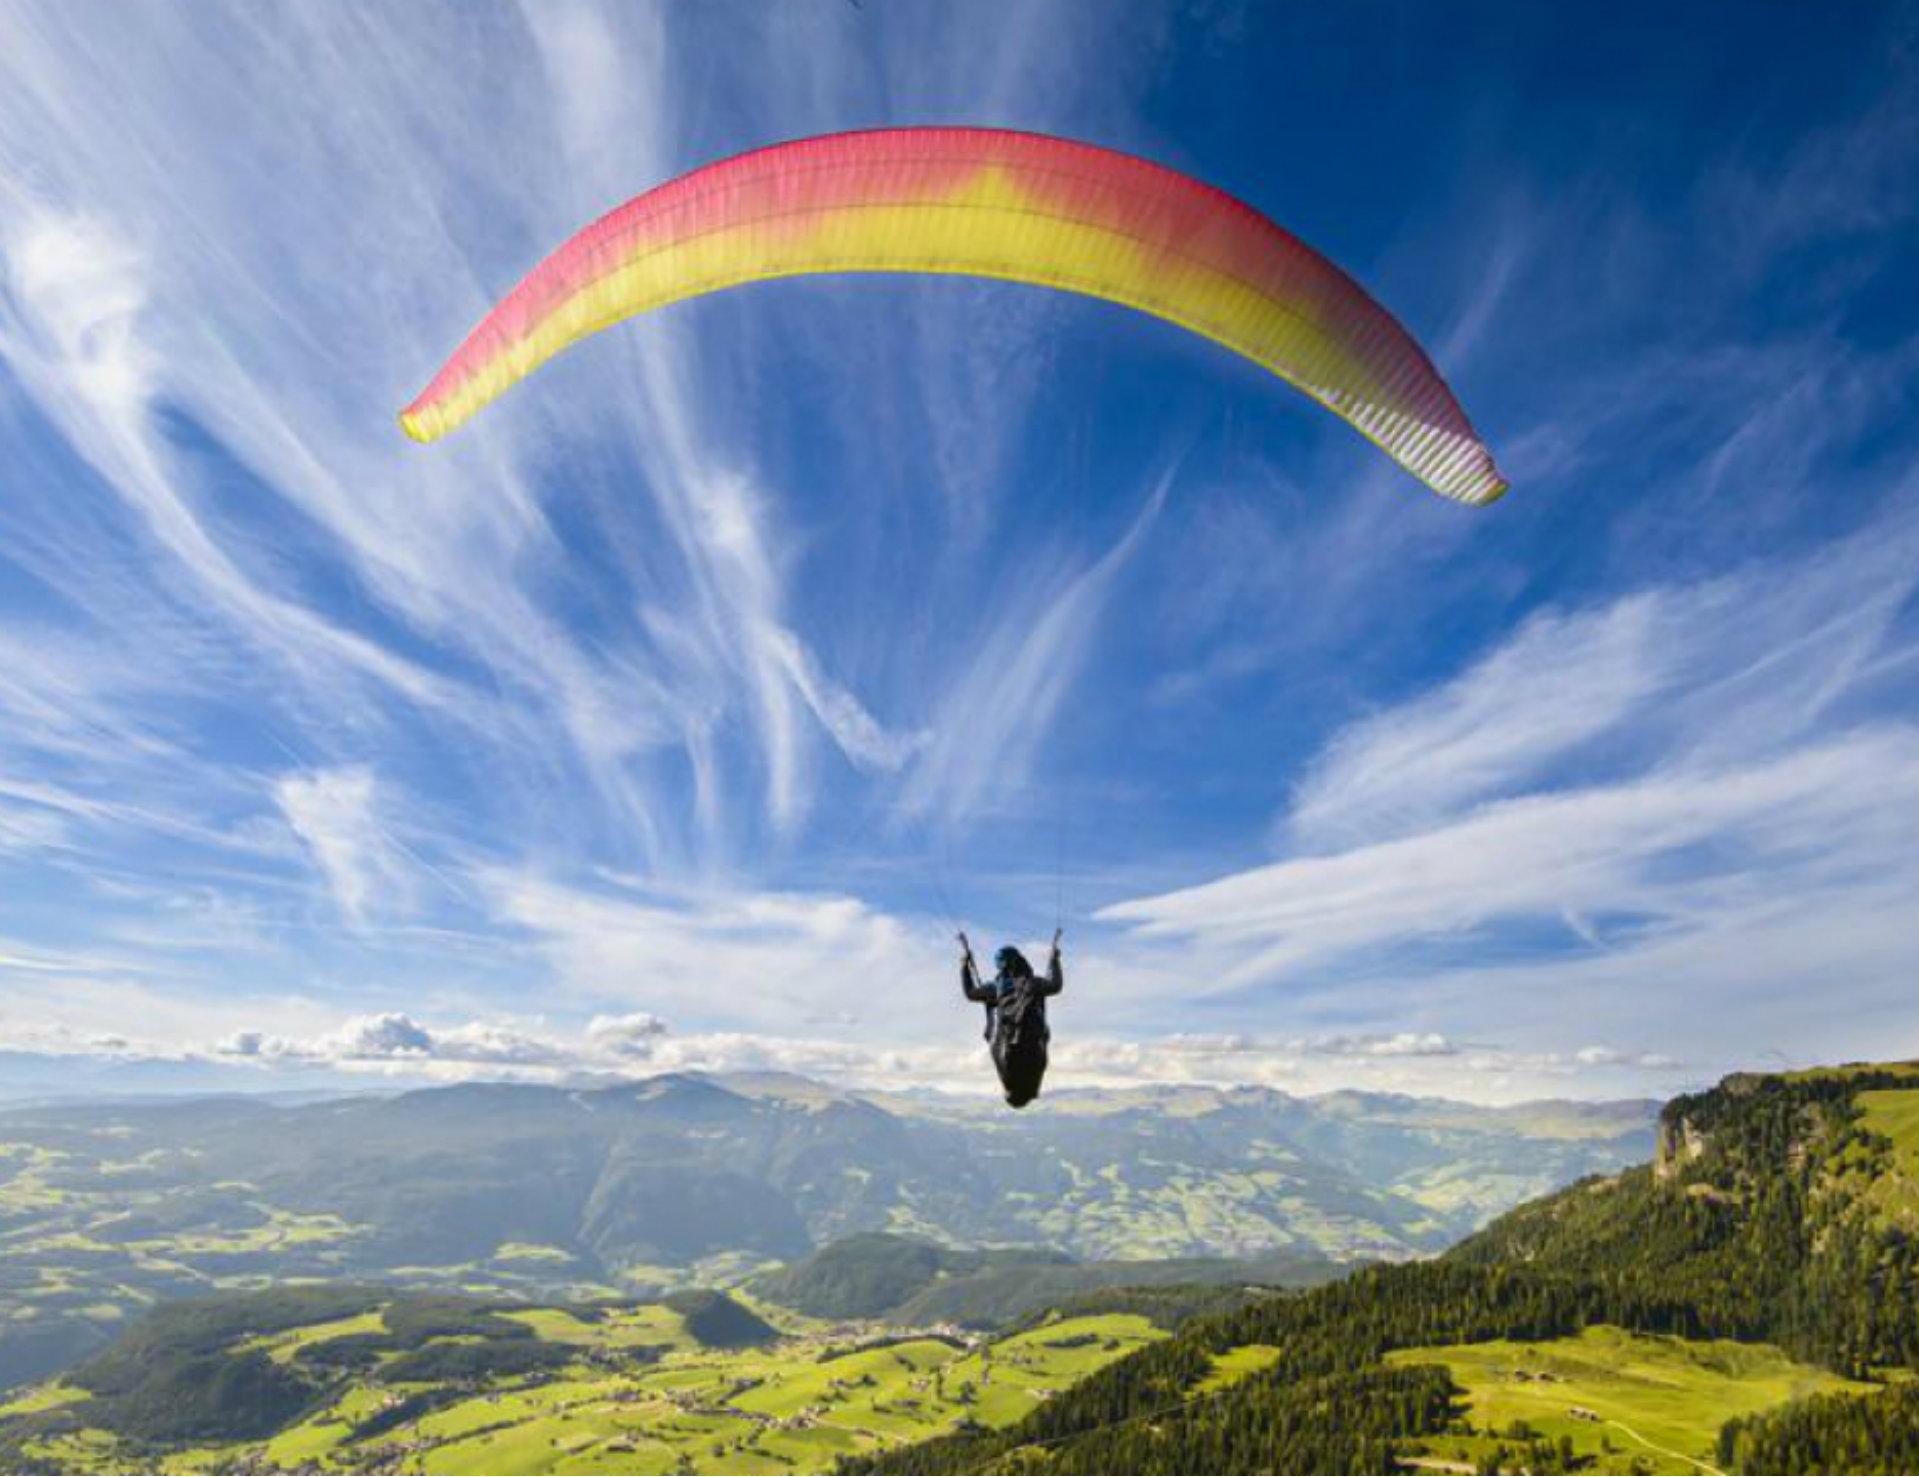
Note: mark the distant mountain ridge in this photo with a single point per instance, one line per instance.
(596, 1192)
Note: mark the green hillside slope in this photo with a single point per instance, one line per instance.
(1780, 1206)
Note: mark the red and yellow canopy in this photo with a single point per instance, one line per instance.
(985, 203)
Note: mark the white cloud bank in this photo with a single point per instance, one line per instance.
(396, 1045)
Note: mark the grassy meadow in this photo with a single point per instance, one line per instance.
(1628, 1402)
(642, 1394)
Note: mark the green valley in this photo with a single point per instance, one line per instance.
(445, 1385)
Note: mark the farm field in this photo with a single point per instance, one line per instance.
(1892, 1184)
(1627, 1401)
(630, 1389)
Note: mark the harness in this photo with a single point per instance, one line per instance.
(1018, 1018)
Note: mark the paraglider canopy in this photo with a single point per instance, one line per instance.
(988, 203)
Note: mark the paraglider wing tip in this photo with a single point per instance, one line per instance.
(414, 424)
(1479, 487)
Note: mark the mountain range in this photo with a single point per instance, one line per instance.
(106, 1207)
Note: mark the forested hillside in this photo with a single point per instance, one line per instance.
(1782, 1207)
(908, 1280)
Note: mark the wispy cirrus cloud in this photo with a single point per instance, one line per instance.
(1667, 850)
(1738, 665)
(336, 815)
(1561, 682)
(73, 335)
(997, 715)
(726, 957)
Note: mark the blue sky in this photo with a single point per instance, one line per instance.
(673, 714)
